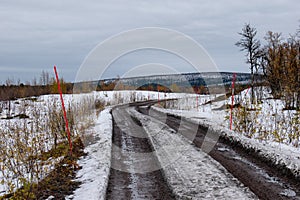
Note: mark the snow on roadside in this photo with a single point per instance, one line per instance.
(280, 154)
(96, 165)
(190, 173)
(128, 96)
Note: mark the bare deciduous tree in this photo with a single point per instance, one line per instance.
(251, 45)
(44, 78)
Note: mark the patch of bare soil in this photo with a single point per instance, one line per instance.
(60, 182)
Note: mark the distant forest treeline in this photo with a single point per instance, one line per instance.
(189, 82)
(13, 92)
(46, 85)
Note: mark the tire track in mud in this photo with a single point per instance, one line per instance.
(126, 181)
(257, 174)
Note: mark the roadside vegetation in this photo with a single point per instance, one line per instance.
(275, 64)
(267, 121)
(272, 110)
(35, 159)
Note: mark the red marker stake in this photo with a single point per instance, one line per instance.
(247, 91)
(158, 95)
(197, 102)
(64, 109)
(232, 99)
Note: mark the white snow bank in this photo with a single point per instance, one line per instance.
(95, 170)
(127, 96)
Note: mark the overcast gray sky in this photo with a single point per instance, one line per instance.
(37, 34)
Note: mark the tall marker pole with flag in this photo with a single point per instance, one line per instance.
(64, 110)
(232, 99)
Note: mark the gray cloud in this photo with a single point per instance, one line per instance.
(35, 35)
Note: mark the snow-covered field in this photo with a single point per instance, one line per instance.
(267, 120)
(28, 127)
(268, 117)
(25, 136)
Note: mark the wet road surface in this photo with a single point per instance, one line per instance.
(257, 174)
(135, 171)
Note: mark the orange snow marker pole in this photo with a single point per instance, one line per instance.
(158, 95)
(232, 99)
(64, 110)
(197, 102)
(247, 91)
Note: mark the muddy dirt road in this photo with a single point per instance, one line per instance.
(128, 179)
(263, 179)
